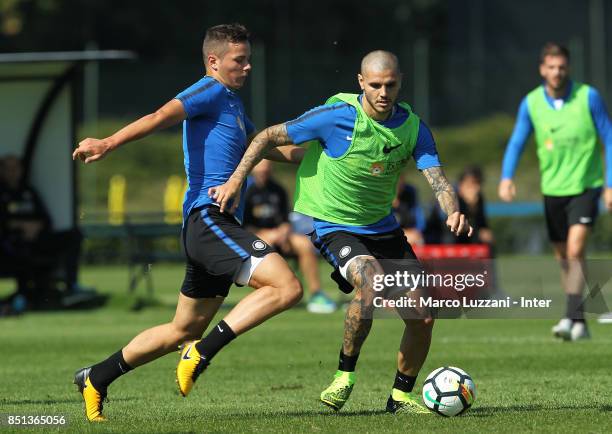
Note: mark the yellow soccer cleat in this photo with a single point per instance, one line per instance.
(404, 402)
(93, 398)
(339, 391)
(189, 367)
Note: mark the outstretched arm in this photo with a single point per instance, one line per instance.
(447, 198)
(90, 149)
(271, 137)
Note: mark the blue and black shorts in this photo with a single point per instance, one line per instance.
(217, 248)
(340, 248)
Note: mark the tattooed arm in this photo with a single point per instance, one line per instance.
(444, 192)
(286, 154)
(447, 198)
(269, 138)
(291, 153)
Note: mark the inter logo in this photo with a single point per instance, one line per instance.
(344, 251)
(259, 245)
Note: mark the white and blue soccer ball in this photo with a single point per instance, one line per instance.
(449, 391)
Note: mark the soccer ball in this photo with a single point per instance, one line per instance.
(449, 391)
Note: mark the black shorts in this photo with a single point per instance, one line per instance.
(564, 211)
(216, 247)
(338, 248)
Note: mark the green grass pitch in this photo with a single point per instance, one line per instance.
(269, 379)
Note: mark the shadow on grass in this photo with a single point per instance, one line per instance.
(306, 413)
(495, 410)
(53, 401)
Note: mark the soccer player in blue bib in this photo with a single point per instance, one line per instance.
(216, 133)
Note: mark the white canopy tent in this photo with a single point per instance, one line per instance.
(39, 99)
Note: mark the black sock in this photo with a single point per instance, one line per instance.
(347, 363)
(107, 371)
(219, 336)
(405, 383)
(574, 307)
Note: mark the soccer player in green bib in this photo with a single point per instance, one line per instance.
(566, 117)
(347, 182)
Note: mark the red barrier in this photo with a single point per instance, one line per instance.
(458, 260)
(452, 251)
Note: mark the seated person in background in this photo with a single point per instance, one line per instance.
(267, 215)
(408, 212)
(472, 204)
(29, 249)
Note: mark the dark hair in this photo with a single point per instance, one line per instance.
(217, 37)
(554, 49)
(474, 171)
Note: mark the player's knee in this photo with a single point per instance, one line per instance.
(575, 253)
(292, 292)
(288, 292)
(301, 244)
(357, 298)
(420, 325)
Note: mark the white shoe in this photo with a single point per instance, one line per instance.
(605, 318)
(563, 329)
(579, 331)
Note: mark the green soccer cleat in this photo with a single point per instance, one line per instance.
(404, 403)
(336, 395)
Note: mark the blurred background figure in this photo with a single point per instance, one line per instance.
(408, 212)
(472, 204)
(267, 216)
(567, 118)
(30, 250)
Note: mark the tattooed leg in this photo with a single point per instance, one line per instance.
(358, 320)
